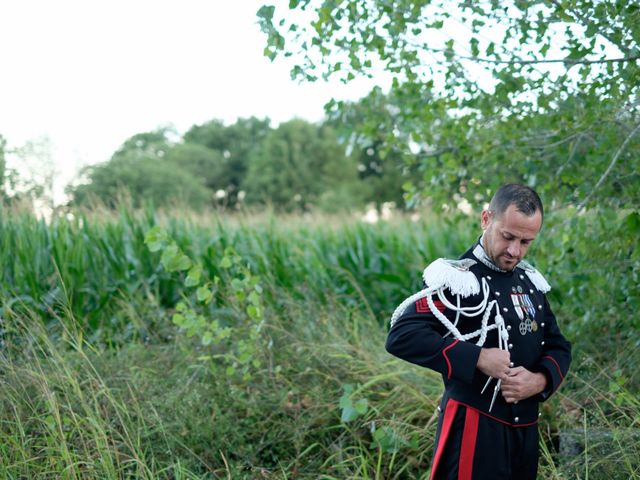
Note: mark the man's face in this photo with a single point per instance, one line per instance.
(508, 237)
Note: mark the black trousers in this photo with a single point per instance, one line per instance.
(472, 446)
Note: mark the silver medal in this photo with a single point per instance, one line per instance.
(523, 328)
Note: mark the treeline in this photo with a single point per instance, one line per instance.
(296, 166)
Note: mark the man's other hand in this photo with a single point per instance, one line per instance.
(520, 383)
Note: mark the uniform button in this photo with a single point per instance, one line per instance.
(515, 402)
(505, 309)
(488, 277)
(508, 328)
(542, 342)
(439, 409)
(510, 346)
(539, 307)
(539, 414)
(511, 364)
(517, 419)
(497, 294)
(542, 324)
(531, 290)
(521, 277)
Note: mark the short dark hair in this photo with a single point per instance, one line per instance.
(524, 198)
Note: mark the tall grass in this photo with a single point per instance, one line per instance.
(60, 419)
(97, 382)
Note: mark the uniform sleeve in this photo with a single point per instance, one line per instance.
(417, 337)
(556, 356)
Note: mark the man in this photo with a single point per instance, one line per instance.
(484, 323)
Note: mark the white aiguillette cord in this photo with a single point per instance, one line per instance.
(503, 339)
(484, 307)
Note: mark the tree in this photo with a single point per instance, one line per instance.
(145, 168)
(153, 144)
(31, 178)
(201, 162)
(142, 180)
(232, 145)
(365, 128)
(300, 165)
(540, 92)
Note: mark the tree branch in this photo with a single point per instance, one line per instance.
(574, 149)
(569, 61)
(518, 61)
(609, 168)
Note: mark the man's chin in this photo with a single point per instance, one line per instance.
(508, 265)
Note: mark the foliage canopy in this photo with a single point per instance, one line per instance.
(544, 93)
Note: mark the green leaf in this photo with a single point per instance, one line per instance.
(156, 238)
(362, 406)
(253, 312)
(245, 356)
(632, 221)
(204, 294)
(193, 277)
(254, 298)
(237, 285)
(178, 319)
(387, 440)
(174, 260)
(578, 52)
(265, 12)
(545, 49)
(475, 51)
(225, 262)
(348, 414)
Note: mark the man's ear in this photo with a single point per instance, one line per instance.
(485, 219)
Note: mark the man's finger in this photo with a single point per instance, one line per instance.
(511, 380)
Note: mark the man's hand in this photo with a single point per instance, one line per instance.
(521, 384)
(494, 362)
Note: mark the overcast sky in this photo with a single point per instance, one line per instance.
(89, 74)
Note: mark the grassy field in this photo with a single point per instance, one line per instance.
(280, 372)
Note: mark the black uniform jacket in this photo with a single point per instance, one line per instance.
(419, 337)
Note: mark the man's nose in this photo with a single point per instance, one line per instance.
(514, 249)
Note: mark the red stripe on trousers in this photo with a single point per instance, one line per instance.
(450, 412)
(468, 447)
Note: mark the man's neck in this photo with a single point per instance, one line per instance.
(481, 254)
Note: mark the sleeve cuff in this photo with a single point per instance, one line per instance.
(551, 369)
(461, 359)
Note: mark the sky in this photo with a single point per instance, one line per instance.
(87, 75)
